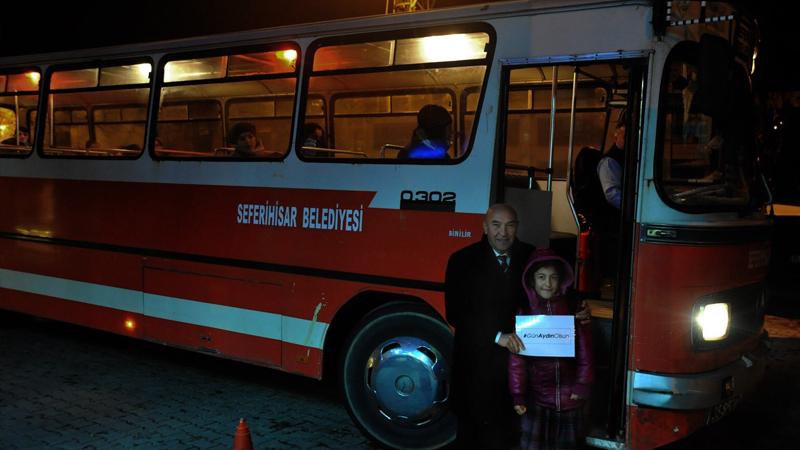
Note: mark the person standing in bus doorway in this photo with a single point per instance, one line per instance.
(482, 294)
(609, 169)
(431, 138)
(607, 218)
(550, 392)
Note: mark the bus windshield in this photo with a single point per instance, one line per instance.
(707, 130)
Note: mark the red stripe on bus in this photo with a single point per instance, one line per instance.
(202, 220)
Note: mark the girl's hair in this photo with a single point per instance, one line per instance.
(556, 265)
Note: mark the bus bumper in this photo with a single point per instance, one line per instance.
(715, 389)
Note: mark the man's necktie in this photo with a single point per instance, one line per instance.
(503, 260)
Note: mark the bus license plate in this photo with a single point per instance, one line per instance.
(721, 410)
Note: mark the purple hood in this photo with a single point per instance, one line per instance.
(541, 255)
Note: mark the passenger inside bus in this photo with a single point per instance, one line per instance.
(610, 168)
(431, 139)
(243, 137)
(24, 136)
(313, 140)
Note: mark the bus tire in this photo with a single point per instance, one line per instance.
(394, 375)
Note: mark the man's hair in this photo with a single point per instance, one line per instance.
(499, 206)
(434, 119)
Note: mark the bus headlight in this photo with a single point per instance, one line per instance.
(714, 320)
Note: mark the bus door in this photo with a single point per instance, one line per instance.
(558, 122)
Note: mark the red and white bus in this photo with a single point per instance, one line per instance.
(132, 213)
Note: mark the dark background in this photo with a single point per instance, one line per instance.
(45, 27)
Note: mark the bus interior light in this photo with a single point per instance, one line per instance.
(714, 321)
(289, 56)
(144, 69)
(450, 47)
(34, 77)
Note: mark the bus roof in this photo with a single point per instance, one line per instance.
(374, 23)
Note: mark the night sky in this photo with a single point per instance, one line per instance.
(71, 25)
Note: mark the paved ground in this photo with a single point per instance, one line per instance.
(65, 387)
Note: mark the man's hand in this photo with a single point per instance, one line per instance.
(520, 409)
(511, 341)
(584, 316)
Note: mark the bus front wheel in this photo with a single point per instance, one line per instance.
(395, 377)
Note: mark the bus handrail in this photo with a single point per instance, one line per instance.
(530, 172)
(91, 151)
(336, 151)
(176, 152)
(570, 148)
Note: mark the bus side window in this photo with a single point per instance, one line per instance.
(204, 99)
(98, 111)
(189, 125)
(19, 94)
(377, 88)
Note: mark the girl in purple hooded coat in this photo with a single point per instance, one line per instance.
(549, 392)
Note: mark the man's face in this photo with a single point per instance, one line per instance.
(23, 137)
(500, 226)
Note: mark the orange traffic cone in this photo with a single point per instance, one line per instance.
(242, 439)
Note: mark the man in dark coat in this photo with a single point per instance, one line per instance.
(483, 290)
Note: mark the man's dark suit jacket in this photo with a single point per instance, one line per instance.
(480, 300)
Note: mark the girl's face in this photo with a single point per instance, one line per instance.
(546, 282)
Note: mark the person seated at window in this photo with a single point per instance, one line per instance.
(24, 136)
(314, 136)
(243, 138)
(431, 138)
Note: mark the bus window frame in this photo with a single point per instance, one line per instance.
(159, 83)
(607, 109)
(684, 54)
(38, 92)
(41, 119)
(387, 93)
(404, 33)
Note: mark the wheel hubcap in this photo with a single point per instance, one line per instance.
(407, 378)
